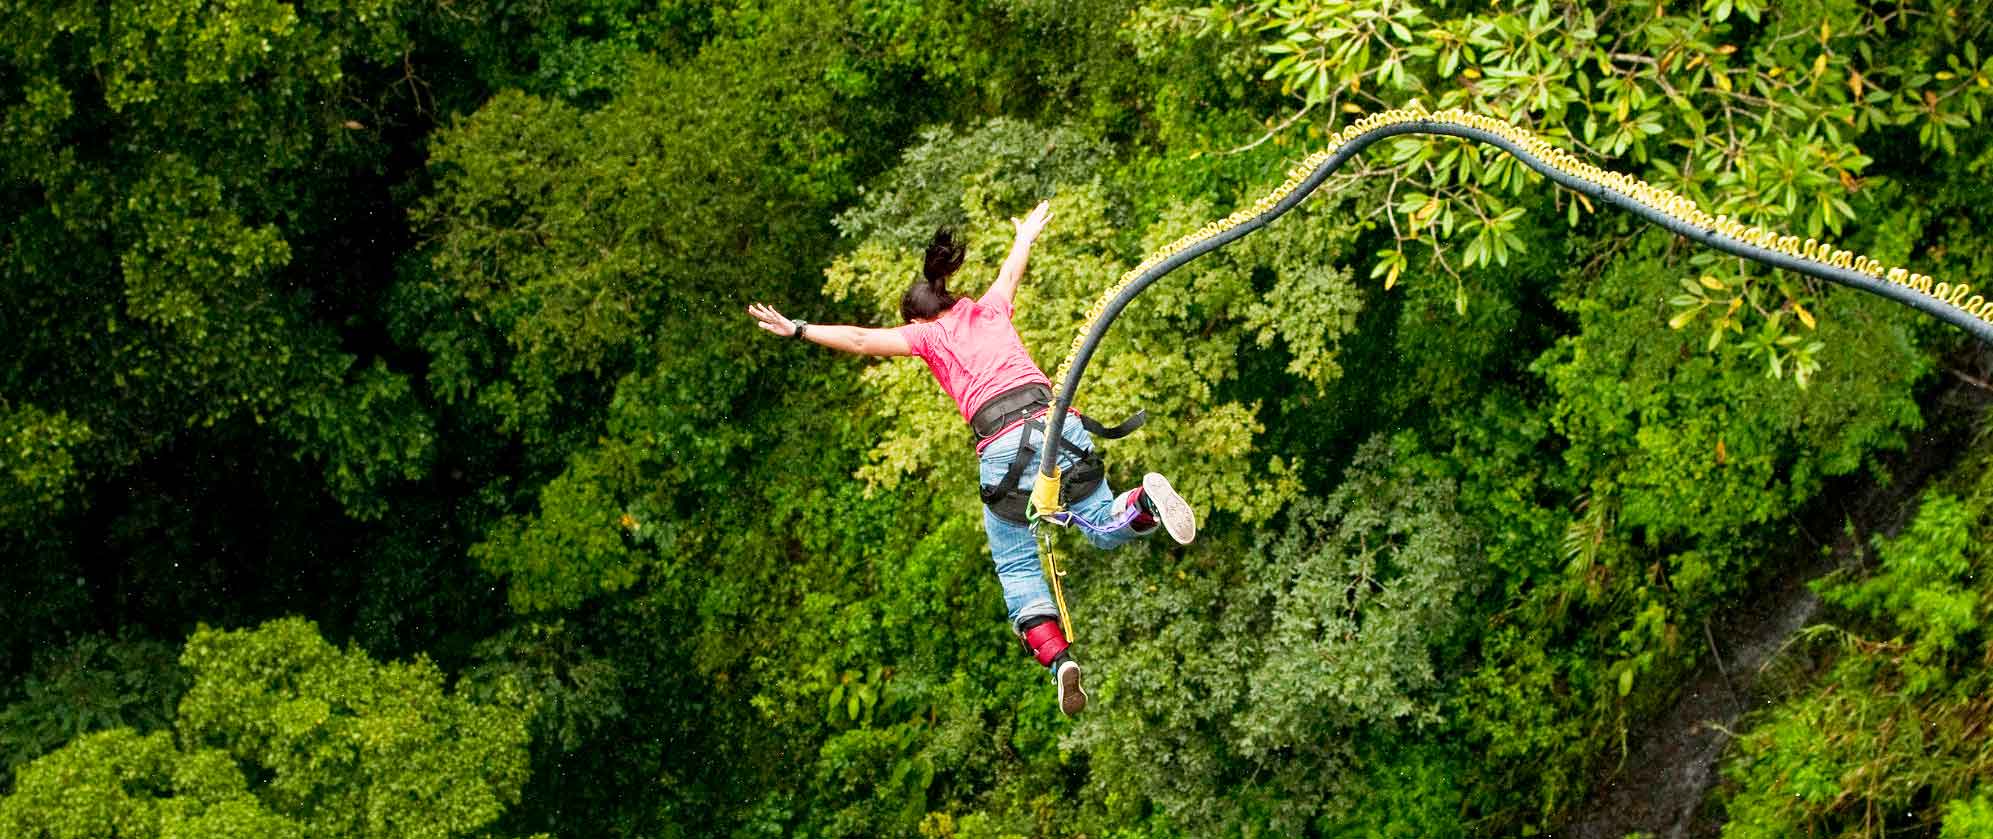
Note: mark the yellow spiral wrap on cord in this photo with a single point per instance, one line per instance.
(1944, 299)
(1956, 296)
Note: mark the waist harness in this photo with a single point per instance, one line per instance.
(1006, 498)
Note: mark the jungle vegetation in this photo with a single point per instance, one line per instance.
(384, 451)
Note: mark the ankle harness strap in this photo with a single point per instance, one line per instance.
(1045, 641)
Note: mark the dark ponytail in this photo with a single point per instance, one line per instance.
(928, 297)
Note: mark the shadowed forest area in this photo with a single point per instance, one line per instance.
(384, 450)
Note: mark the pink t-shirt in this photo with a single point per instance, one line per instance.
(974, 352)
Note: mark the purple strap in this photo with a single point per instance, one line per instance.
(1068, 518)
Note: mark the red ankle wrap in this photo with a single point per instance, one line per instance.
(1144, 520)
(1046, 641)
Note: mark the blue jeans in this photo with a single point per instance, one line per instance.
(1012, 547)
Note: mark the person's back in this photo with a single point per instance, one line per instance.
(974, 352)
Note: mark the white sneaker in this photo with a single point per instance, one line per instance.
(1176, 515)
(1072, 698)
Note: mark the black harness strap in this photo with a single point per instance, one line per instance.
(1008, 500)
(1019, 403)
(1126, 427)
(1008, 407)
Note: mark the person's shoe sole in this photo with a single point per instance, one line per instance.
(1072, 698)
(1175, 512)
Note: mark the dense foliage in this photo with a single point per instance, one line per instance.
(402, 341)
(1890, 736)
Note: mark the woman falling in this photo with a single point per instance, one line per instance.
(976, 356)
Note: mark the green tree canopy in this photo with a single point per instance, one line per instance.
(338, 746)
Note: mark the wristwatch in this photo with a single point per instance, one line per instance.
(800, 326)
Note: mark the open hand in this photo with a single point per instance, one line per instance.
(771, 320)
(1032, 224)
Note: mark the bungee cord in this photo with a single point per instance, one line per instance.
(1677, 213)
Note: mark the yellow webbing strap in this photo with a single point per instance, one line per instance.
(1055, 575)
(1044, 502)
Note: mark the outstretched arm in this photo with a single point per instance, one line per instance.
(858, 340)
(1020, 251)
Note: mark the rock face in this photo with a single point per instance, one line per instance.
(1660, 789)
(1674, 762)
